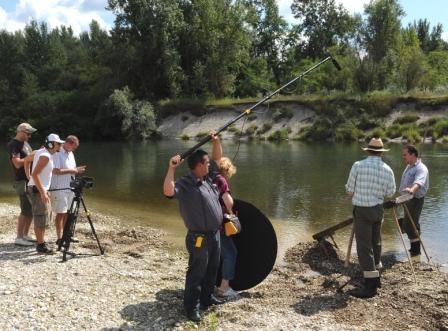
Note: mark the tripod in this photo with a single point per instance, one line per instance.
(69, 228)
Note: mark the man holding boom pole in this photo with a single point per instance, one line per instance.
(202, 214)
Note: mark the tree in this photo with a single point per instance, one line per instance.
(151, 29)
(381, 37)
(121, 116)
(324, 24)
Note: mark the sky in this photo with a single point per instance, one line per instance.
(14, 14)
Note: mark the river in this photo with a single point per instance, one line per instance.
(299, 186)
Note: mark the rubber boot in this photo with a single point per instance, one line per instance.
(369, 290)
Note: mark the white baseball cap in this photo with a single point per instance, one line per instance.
(55, 138)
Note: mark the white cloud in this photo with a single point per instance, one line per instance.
(75, 13)
(354, 6)
(445, 36)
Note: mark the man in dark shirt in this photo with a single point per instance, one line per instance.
(18, 149)
(202, 214)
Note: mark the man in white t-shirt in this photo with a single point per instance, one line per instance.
(64, 170)
(38, 187)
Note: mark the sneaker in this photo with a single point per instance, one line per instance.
(28, 238)
(22, 242)
(230, 293)
(43, 249)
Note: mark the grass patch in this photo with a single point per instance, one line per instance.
(407, 118)
(279, 135)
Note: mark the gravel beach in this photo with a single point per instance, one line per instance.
(138, 285)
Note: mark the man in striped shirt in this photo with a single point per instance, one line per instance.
(64, 169)
(369, 182)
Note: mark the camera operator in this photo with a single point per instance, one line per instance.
(64, 169)
(38, 188)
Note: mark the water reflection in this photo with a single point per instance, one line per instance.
(299, 186)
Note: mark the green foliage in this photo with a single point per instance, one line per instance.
(185, 137)
(348, 133)
(394, 131)
(441, 128)
(123, 117)
(412, 135)
(279, 135)
(250, 131)
(407, 118)
(378, 132)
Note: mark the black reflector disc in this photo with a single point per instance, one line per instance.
(256, 246)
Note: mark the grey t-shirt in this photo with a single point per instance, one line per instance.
(198, 203)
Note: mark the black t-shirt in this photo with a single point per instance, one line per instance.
(22, 149)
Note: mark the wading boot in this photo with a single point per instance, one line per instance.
(368, 290)
(194, 315)
(415, 248)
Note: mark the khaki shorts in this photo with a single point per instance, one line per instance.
(25, 205)
(61, 201)
(41, 211)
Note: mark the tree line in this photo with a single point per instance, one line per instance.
(108, 84)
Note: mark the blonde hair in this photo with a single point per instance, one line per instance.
(226, 167)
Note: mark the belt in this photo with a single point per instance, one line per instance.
(205, 233)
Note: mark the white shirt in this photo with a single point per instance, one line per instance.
(45, 174)
(63, 160)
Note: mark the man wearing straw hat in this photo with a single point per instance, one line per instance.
(369, 182)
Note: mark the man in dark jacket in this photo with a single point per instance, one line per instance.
(202, 214)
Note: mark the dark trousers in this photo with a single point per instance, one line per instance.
(228, 257)
(203, 264)
(367, 222)
(415, 207)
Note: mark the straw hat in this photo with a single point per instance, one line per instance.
(375, 145)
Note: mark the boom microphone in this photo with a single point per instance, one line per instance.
(336, 64)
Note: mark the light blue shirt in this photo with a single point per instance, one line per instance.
(416, 174)
(370, 181)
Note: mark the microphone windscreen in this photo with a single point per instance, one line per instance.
(336, 64)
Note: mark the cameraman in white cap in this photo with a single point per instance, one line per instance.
(65, 169)
(38, 186)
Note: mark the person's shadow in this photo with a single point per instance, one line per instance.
(162, 314)
(27, 255)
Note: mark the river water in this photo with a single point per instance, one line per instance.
(299, 186)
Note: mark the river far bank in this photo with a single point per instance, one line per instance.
(321, 119)
(138, 285)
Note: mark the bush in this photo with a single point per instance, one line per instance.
(265, 128)
(201, 135)
(279, 135)
(407, 118)
(412, 135)
(441, 128)
(394, 131)
(322, 129)
(366, 122)
(184, 118)
(251, 130)
(185, 137)
(378, 133)
(348, 133)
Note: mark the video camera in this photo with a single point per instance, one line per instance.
(78, 183)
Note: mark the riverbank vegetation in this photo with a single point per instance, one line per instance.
(165, 57)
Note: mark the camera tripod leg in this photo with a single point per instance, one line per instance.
(91, 226)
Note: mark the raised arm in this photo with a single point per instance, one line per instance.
(168, 184)
(217, 148)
